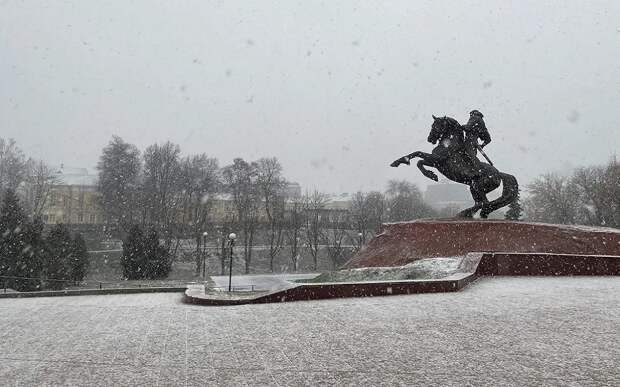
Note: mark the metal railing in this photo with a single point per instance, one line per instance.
(68, 283)
(6, 281)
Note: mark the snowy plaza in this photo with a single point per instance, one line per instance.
(498, 331)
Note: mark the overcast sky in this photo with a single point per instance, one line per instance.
(335, 89)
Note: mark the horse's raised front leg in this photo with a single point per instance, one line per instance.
(402, 160)
(406, 159)
(428, 160)
(430, 174)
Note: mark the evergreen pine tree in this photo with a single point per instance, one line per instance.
(59, 254)
(158, 263)
(143, 255)
(133, 259)
(34, 255)
(514, 209)
(78, 266)
(13, 260)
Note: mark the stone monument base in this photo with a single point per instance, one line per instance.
(484, 248)
(401, 243)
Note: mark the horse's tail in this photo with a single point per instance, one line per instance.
(509, 194)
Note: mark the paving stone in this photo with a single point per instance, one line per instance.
(499, 331)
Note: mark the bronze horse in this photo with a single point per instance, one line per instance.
(450, 157)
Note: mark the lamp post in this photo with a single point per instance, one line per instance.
(296, 259)
(231, 241)
(204, 254)
(359, 236)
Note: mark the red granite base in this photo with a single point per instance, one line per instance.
(401, 243)
(487, 248)
(472, 266)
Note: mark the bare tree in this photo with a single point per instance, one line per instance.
(554, 199)
(161, 190)
(404, 201)
(590, 196)
(271, 184)
(314, 208)
(13, 165)
(199, 183)
(599, 190)
(589, 184)
(360, 213)
(375, 203)
(38, 186)
(612, 180)
(337, 231)
(367, 213)
(240, 181)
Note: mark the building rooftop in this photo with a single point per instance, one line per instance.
(75, 176)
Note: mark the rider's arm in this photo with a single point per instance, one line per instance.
(485, 136)
(483, 133)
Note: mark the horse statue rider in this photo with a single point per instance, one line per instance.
(475, 129)
(455, 156)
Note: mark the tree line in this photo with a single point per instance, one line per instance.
(161, 192)
(173, 195)
(589, 196)
(31, 179)
(31, 259)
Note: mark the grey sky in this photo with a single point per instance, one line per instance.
(335, 90)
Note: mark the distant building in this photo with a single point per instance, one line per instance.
(448, 195)
(340, 202)
(74, 198)
(223, 209)
(292, 190)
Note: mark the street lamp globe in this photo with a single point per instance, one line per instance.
(359, 234)
(204, 234)
(232, 236)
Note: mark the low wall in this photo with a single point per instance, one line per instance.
(369, 289)
(472, 266)
(545, 264)
(320, 291)
(91, 292)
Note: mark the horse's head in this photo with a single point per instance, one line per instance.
(443, 127)
(437, 129)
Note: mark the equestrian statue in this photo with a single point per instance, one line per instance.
(455, 156)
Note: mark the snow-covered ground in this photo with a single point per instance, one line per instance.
(429, 268)
(499, 331)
